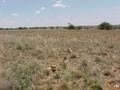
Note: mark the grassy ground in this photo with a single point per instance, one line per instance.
(60, 60)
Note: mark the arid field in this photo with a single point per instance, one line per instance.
(60, 59)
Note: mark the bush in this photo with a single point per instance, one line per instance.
(78, 27)
(116, 26)
(51, 27)
(71, 26)
(105, 26)
(1, 28)
(20, 28)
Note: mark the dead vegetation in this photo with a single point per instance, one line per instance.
(60, 60)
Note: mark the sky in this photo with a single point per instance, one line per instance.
(16, 13)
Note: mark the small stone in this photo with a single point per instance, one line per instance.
(110, 81)
(73, 56)
(113, 69)
(65, 58)
(52, 68)
(116, 86)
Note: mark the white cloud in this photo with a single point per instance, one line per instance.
(37, 12)
(42, 8)
(14, 14)
(3, 1)
(59, 4)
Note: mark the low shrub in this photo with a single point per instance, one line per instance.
(105, 26)
(71, 26)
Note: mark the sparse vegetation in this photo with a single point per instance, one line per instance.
(64, 66)
(96, 87)
(59, 59)
(22, 72)
(63, 86)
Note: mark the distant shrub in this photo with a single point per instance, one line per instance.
(51, 27)
(116, 26)
(1, 28)
(78, 27)
(22, 28)
(105, 26)
(43, 27)
(65, 27)
(71, 26)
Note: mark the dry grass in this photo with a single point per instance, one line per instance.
(82, 60)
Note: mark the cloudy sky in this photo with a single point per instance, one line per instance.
(15, 13)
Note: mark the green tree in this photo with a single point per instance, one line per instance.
(105, 26)
(71, 26)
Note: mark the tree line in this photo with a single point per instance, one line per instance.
(102, 26)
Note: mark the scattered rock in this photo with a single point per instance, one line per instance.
(68, 50)
(117, 86)
(52, 68)
(107, 73)
(65, 58)
(73, 56)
